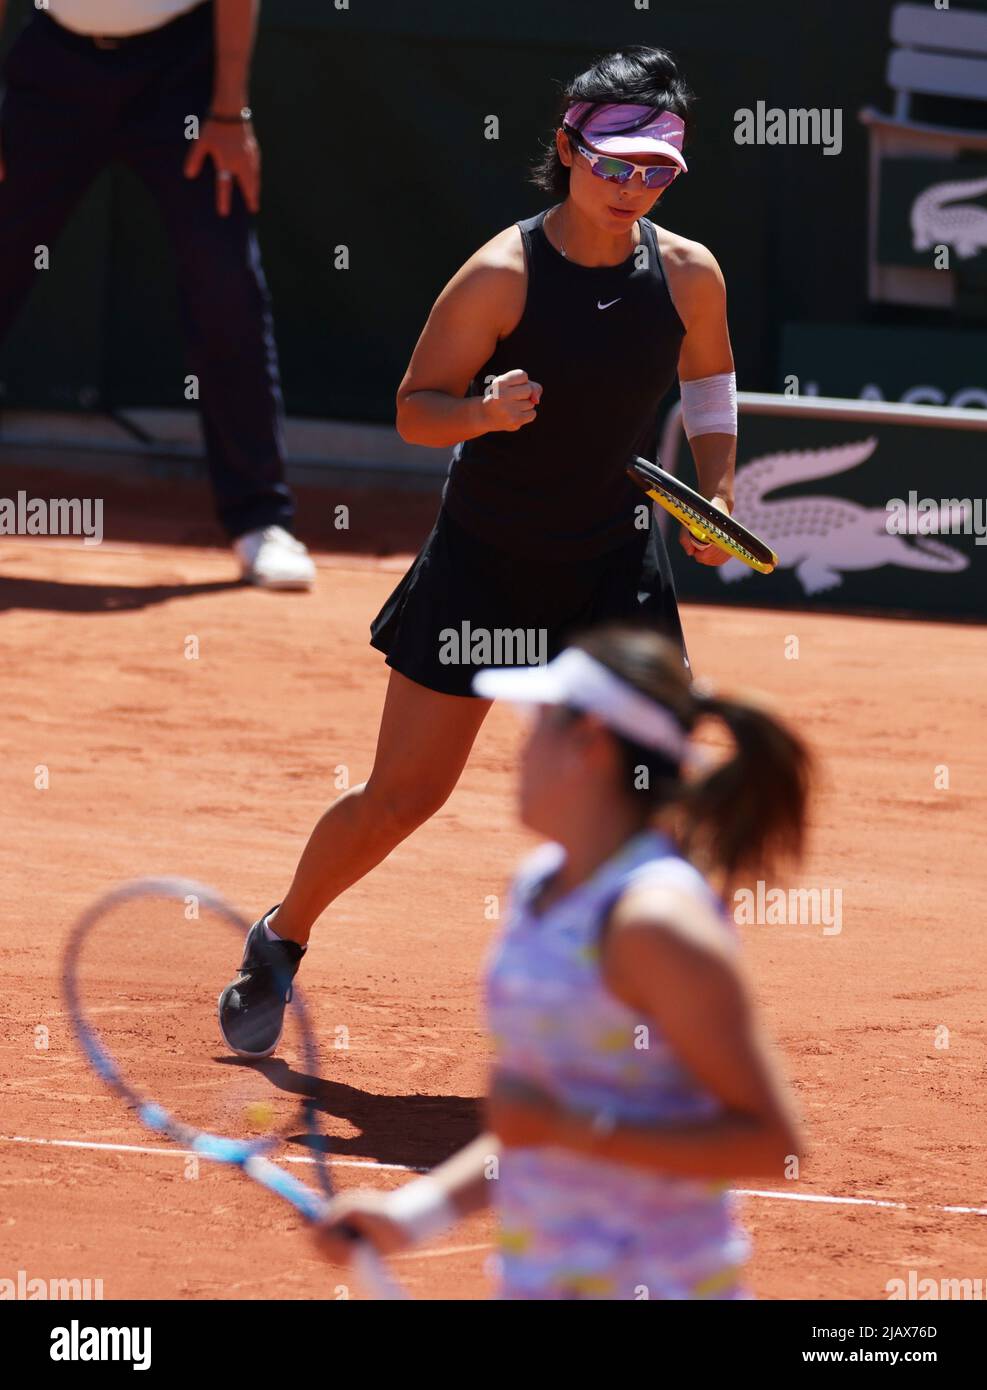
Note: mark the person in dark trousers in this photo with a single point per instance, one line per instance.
(162, 86)
(542, 365)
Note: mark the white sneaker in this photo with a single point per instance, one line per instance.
(274, 559)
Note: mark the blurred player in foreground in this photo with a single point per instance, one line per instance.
(631, 1082)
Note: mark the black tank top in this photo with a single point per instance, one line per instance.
(603, 341)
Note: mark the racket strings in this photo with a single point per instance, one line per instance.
(692, 517)
(145, 976)
(149, 1030)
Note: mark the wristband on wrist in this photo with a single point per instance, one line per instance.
(423, 1209)
(239, 118)
(709, 406)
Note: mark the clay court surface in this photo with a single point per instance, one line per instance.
(217, 768)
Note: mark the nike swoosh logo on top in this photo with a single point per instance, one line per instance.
(613, 301)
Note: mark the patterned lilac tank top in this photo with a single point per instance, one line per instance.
(572, 1226)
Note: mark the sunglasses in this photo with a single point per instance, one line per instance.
(604, 166)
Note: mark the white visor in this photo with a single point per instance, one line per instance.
(576, 679)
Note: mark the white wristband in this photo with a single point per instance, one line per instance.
(709, 405)
(423, 1209)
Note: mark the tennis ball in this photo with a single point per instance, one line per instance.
(259, 1114)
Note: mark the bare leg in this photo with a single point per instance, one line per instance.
(422, 747)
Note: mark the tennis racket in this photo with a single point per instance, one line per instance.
(149, 1031)
(706, 522)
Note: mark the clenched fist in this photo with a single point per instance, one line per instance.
(510, 401)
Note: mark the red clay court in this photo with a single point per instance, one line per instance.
(217, 768)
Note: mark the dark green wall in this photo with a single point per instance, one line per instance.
(412, 187)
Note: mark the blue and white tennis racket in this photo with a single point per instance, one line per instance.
(142, 970)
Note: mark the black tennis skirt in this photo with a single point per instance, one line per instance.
(464, 605)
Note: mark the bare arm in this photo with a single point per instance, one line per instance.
(701, 301)
(467, 1175)
(678, 972)
(479, 305)
(230, 144)
(465, 1179)
(235, 28)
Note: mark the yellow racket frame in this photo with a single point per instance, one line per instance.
(705, 531)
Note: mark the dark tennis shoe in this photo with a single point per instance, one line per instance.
(251, 1009)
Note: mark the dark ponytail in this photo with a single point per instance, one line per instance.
(749, 810)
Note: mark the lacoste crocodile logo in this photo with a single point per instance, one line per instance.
(937, 220)
(822, 537)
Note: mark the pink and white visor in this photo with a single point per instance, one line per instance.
(607, 130)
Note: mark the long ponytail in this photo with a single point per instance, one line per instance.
(749, 810)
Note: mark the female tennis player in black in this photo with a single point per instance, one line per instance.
(543, 362)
